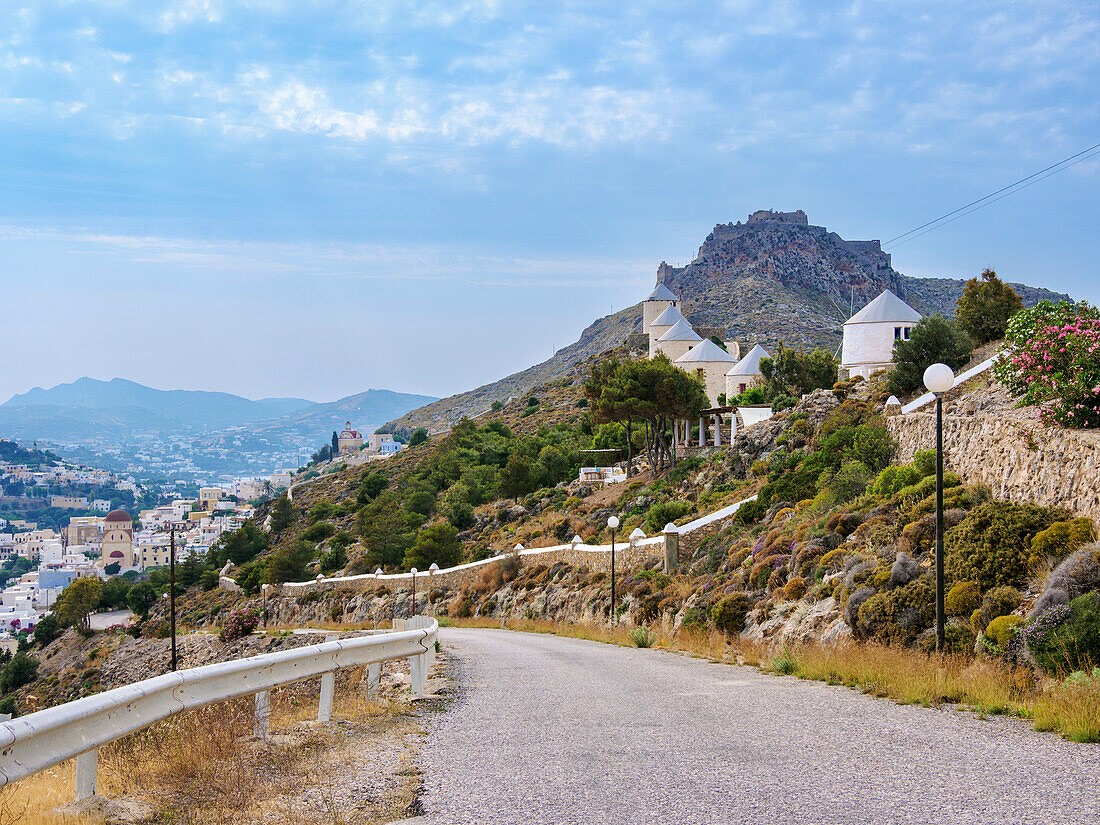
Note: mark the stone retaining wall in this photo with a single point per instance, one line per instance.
(1021, 462)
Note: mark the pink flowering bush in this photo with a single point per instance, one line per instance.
(240, 623)
(1053, 361)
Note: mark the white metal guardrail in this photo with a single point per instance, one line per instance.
(31, 743)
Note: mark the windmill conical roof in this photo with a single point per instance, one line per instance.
(662, 293)
(668, 317)
(750, 364)
(886, 307)
(705, 350)
(680, 331)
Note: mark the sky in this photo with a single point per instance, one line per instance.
(314, 198)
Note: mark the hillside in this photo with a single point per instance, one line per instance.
(773, 278)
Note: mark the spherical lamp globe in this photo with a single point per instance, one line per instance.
(613, 522)
(939, 378)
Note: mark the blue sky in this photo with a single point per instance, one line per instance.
(294, 198)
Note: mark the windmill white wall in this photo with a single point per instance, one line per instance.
(869, 335)
(660, 299)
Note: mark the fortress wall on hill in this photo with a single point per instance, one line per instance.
(1060, 468)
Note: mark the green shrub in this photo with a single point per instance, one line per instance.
(992, 545)
(319, 532)
(924, 488)
(1003, 628)
(898, 616)
(999, 601)
(933, 340)
(46, 630)
(419, 436)
(1061, 539)
(730, 612)
(20, 671)
(665, 512)
(962, 599)
(794, 589)
(209, 579)
(642, 637)
(894, 479)
(1072, 645)
(320, 510)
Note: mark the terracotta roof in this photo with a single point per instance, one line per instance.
(118, 515)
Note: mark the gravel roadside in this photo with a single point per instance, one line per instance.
(555, 730)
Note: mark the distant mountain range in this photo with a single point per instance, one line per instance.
(775, 277)
(88, 410)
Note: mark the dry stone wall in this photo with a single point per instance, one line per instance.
(1018, 458)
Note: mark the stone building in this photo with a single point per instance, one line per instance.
(710, 362)
(118, 540)
(745, 372)
(678, 340)
(349, 440)
(662, 324)
(869, 335)
(660, 299)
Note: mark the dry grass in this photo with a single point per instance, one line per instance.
(204, 766)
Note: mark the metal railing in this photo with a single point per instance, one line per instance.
(32, 743)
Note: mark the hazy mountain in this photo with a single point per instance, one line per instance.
(365, 410)
(121, 404)
(772, 278)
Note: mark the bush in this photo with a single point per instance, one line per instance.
(1061, 539)
(1074, 644)
(46, 630)
(319, 532)
(1003, 628)
(642, 637)
(794, 589)
(1076, 575)
(985, 306)
(156, 629)
(21, 670)
(1000, 601)
(992, 545)
(288, 563)
(241, 622)
(962, 599)
(729, 614)
(209, 579)
(665, 512)
(898, 616)
(1053, 361)
(933, 340)
(334, 559)
(894, 479)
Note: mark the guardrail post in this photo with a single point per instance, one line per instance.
(87, 766)
(374, 675)
(416, 668)
(261, 728)
(324, 702)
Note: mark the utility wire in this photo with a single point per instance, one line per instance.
(982, 202)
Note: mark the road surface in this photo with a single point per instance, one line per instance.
(554, 730)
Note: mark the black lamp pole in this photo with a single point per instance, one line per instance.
(172, 592)
(614, 618)
(940, 637)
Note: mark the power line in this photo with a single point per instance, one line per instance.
(982, 202)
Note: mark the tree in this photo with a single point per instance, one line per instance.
(419, 436)
(554, 466)
(141, 597)
(383, 531)
(282, 514)
(795, 372)
(438, 544)
(76, 601)
(112, 568)
(46, 630)
(335, 444)
(370, 486)
(20, 671)
(933, 340)
(518, 476)
(985, 306)
(605, 394)
(288, 563)
(112, 595)
(190, 569)
(240, 545)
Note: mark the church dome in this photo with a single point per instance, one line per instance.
(119, 516)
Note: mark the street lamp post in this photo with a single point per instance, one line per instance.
(613, 523)
(939, 378)
(434, 568)
(172, 590)
(263, 589)
(413, 571)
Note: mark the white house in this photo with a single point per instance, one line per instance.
(678, 340)
(660, 299)
(710, 362)
(745, 372)
(869, 335)
(662, 324)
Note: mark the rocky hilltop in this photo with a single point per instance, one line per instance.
(775, 277)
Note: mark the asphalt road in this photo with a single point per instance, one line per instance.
(554, 730)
